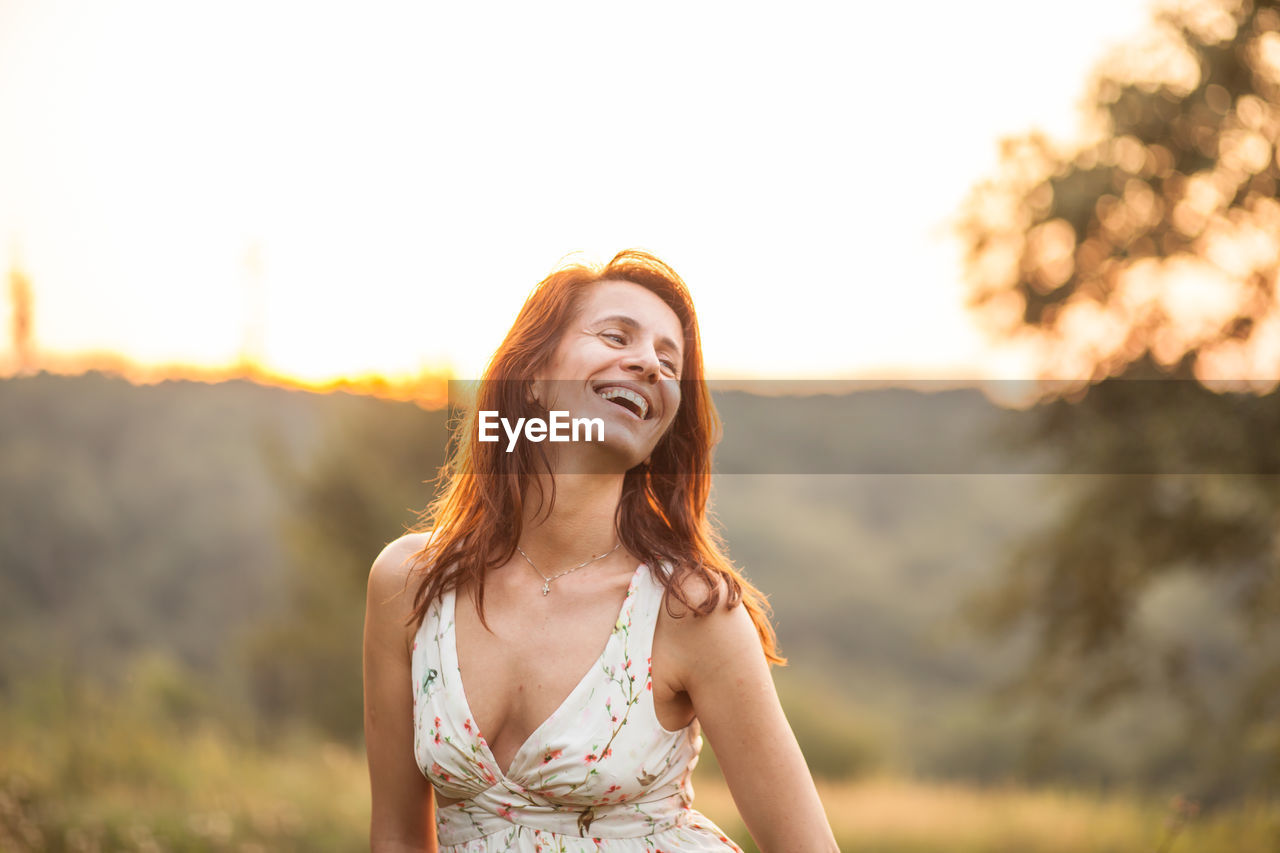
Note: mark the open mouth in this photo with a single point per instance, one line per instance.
(627, 399)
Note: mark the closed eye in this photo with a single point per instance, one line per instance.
(621, 340)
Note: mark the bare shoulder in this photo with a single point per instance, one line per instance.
(392, 567)
(391, 591)
(699, 642)
(697, 590)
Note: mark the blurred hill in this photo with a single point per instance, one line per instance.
(147, 517)
(230, 527)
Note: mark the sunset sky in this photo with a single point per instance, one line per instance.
(339, 189)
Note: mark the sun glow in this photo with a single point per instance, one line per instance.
(322, 192)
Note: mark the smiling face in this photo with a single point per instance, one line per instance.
(618, 359)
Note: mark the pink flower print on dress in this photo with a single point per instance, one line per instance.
(605, 799)
(505, 812)
(551, 755)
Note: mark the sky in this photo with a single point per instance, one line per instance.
(337, 189)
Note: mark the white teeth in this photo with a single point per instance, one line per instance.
(632, 396)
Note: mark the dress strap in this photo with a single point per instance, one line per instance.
(642, 615)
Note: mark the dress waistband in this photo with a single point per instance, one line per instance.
(501, 810)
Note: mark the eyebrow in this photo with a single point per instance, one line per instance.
(624, 320)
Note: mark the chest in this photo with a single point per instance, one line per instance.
(528, 657)
(531, 656)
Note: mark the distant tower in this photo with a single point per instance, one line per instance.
(253, 334)
(20, 323)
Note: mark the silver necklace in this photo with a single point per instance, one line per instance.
(546, 581)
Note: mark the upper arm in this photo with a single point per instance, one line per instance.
(403, 815)
(720, 664)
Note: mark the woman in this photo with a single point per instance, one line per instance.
(541, 553)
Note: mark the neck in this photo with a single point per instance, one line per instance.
(581, 524)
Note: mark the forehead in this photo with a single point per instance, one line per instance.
(607, 299)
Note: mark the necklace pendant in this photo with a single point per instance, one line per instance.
(546, 588)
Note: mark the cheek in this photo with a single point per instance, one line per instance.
(673, 409)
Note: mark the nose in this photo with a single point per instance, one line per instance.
(643, 362)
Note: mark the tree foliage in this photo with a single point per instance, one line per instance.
(1158, 240)
(1152, 251)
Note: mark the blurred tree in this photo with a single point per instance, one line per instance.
(362, 488)
(1159, 239)
(1152, 251)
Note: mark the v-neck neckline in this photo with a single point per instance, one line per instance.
(452, 621)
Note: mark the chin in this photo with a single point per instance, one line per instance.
(624, 459)
(612, 458)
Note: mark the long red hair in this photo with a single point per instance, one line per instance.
(662, 513)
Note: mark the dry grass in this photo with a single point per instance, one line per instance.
(116, 784)
(893, 814)
(149, 790)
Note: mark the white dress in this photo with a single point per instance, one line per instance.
(601, 773)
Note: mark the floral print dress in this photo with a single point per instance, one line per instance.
(601, 773)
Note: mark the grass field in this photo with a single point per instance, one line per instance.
(889, 815)
(117, 786)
